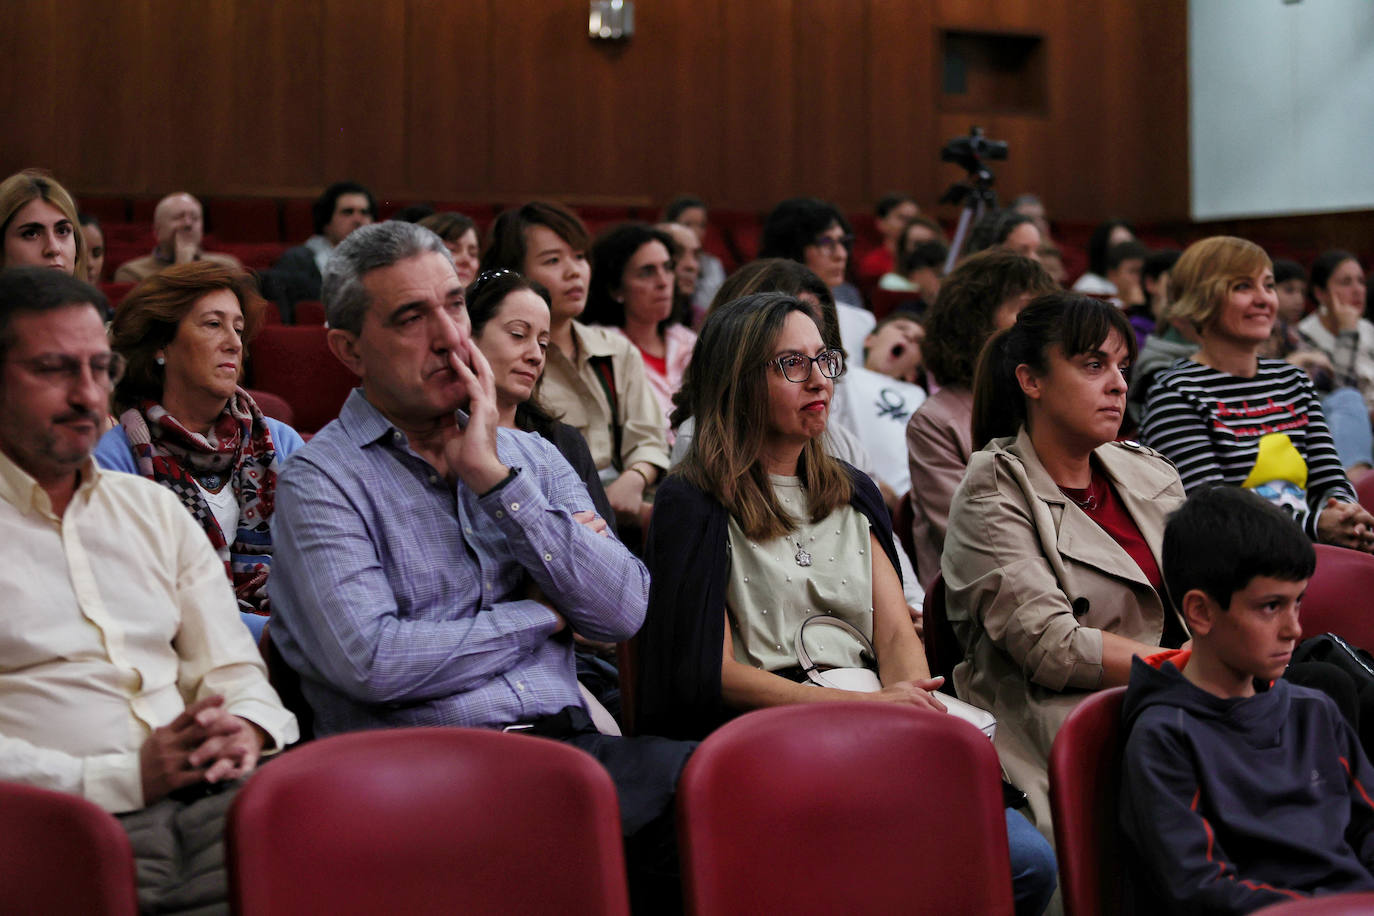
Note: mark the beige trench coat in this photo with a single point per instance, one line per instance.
(1031, 583)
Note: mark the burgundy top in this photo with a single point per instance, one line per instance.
(1100, 502)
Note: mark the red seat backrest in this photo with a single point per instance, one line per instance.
(297, 221)
(1326, 905)
(309, 311)
(61, 854)
(844, 807)
(1340, 596)
(244, 219)
(296, 364)
(115, 292)
(1085, 783)
(274, 406)
(1364, 490)
(428, 820)
(943, 649)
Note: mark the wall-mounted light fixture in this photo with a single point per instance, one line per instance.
(611, 20)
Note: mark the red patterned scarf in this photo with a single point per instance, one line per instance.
(238, 452)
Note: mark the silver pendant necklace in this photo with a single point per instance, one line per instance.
(803, 558)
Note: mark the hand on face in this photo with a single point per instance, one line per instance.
(471, 452)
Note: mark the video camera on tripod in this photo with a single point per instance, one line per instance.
(975, 193)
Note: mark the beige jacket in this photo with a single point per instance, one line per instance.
(1032, 581)
(572, 391)
(140, 269)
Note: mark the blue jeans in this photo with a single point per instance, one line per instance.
(1034, 871)
(1348, 419)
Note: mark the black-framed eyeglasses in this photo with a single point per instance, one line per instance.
(487, 276)
(796, 367)
(830, 242)
(60, 369)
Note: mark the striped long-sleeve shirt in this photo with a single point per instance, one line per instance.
(1210, 424)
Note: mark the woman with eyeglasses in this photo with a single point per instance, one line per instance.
(759, 535)
(815, 233)
(632, 292)
(1051, 557)
(185, 423)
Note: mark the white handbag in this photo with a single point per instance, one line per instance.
(865, 680)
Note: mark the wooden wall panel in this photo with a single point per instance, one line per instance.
(686, 100)
(831, 100)
(277, 110)
(363, 91)
(757, 126)
(449, 93)
(902, 78)
(30, 86)
(743, 103)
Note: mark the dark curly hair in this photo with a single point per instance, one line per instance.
(961, 320)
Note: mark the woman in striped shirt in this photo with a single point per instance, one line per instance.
(1225, 416)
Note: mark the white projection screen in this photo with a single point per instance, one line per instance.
(1281, 106)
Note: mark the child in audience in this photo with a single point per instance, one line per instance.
(878, 398)
(1240, 789)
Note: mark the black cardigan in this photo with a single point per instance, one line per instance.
(679, 646)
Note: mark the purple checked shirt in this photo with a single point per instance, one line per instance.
(399, 598)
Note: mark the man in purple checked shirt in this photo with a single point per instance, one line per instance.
(431, 567)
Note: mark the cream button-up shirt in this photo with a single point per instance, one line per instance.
(572, 391)
(115, 617)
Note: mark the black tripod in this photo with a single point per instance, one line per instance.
(977, 196)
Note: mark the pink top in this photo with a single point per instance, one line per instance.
(680, 341)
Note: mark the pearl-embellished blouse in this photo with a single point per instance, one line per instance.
(824, 567)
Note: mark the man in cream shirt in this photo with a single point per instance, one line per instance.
(128, 678)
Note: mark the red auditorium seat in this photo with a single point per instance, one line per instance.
(1327, 905)
(428, 820)
(1085, 780)
(742, 223)
(62, 854)
(1364, 489)
(253, 255)
(598, 218)
(296, 363)
(479, 213)
(105, 209)
(297, 223)
(885, 301)
(844, 808)
(309, 311)
(1340, 596)
(274, 406)
(243, 219)
(943, 650)
(115, 292)
(271, 314)
(141, 209)
(715, 244)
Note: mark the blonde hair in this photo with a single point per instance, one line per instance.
(1201, 279)
(21, 188)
